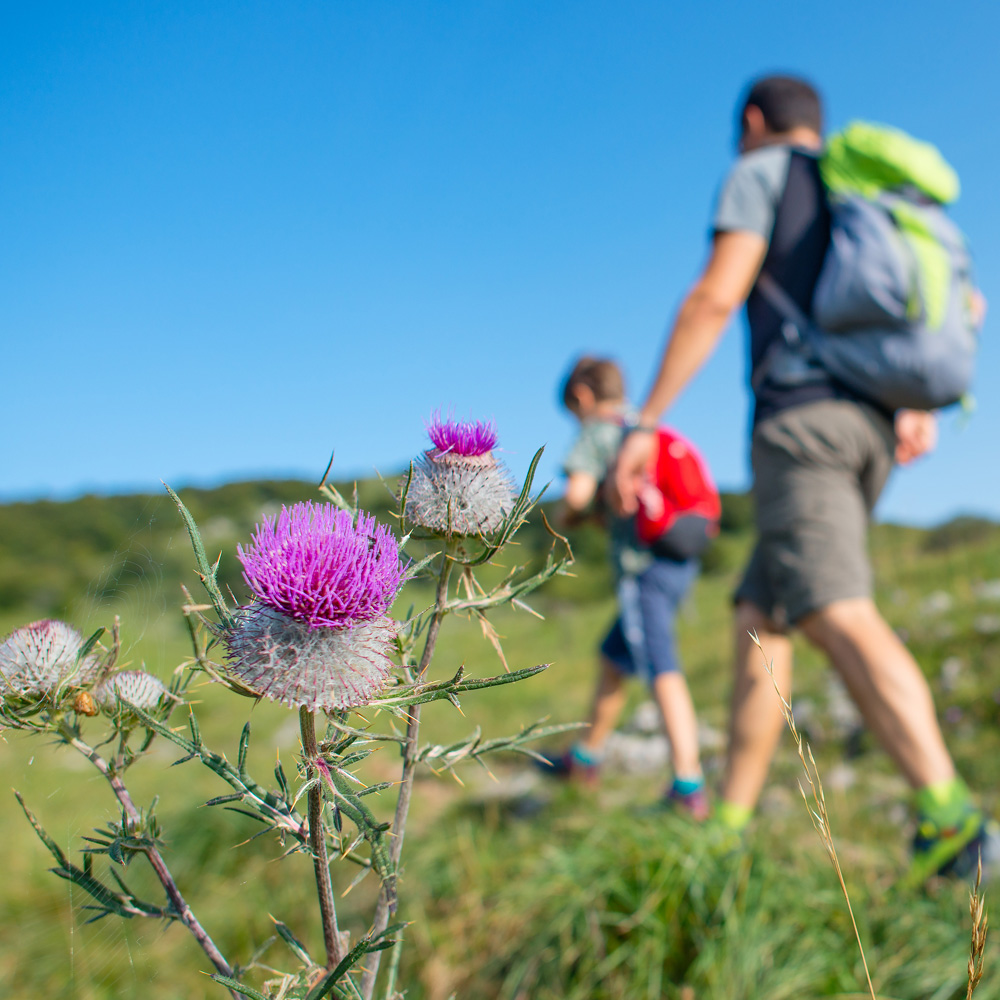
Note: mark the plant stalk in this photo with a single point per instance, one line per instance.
(383, 909)
(317, 841)
(159, 866)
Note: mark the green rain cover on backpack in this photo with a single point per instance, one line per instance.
(892, 313)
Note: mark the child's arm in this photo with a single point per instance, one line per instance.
(581, 488)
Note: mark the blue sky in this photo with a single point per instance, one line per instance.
(239, 236)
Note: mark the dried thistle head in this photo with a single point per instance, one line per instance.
(41, 661)
(316, 634)
(458, 487)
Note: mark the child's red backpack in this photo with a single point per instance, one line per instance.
(688, 518)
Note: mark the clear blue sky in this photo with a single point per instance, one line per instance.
(237, 236)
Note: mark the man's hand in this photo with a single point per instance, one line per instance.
(630, 472)
(916, 434)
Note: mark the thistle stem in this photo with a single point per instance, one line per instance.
(177, 901)
(317, 840)
(383, 909)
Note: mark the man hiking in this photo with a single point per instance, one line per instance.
(821, 454)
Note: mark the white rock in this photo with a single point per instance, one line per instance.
(988, 590)
(637, 754)
(777, 800)
(646, 720)
(987, 624)
(844, 715)
(950, 670)
(840, 777)
(937, 603)
(710, 738)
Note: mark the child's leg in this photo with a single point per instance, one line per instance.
(679, 722)
(609, 700)
(659, 593)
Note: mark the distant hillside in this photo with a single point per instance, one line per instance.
(55, 553)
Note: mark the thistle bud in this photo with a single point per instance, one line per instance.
(130, 688)
(458, 487)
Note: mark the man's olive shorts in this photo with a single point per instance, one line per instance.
(818, 470)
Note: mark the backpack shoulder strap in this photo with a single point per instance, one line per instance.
(796, 329)
(783, 304)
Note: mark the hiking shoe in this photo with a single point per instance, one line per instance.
(954, 852)
(694, 804)
(566, 767)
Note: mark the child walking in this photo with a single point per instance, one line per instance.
(650, 585)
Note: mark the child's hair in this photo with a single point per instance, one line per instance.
(601, 375)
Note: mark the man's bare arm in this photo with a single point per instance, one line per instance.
(723, 287)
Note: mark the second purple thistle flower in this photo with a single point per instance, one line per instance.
(459, 487)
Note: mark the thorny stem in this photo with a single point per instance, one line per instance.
(177, 901)
(390, 981)
(317, 840)
(383, 908)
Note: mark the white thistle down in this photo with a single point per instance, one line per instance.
(40, 659)
(311, 667)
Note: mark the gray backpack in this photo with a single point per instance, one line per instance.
(892, 309)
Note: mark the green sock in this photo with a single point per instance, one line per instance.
(944, 803)
(733, 816)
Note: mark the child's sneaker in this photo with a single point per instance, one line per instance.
(954, 852)
(694, 803)
(568, 767)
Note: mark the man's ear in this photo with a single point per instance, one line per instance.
(754, 127)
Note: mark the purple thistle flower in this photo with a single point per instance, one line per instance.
(460, 437)
(459, 487)
(316, 565)
(316, 635)
(315, 668)
(40, 659)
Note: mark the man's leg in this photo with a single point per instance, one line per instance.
(886, 684)
(756, 721)
(893, 695)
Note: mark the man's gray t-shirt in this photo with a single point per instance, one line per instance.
(748, 200)
(777, 193)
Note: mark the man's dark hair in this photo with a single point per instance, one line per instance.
(601, 375)
(786, 102)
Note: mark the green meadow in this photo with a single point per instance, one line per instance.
(514, 888)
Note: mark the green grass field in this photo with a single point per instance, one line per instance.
(514, 889)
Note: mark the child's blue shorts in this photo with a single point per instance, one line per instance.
(641, 642)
